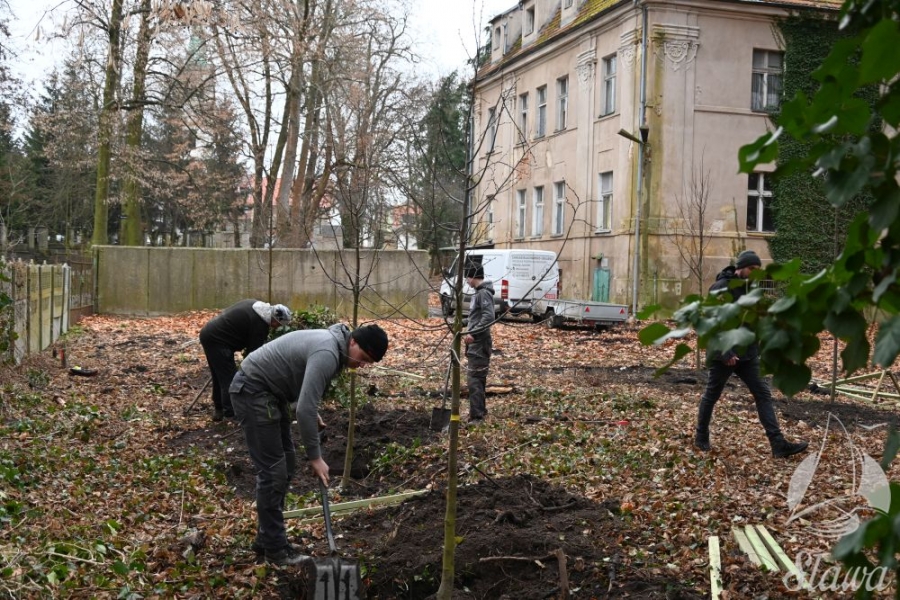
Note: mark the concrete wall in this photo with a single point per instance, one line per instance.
(156, 281)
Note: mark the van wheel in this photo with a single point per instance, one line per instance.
(446, 306)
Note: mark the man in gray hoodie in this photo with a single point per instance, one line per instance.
(479, 344)
(297, 366)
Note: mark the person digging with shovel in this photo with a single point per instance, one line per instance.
(745, 365)
(243, 326)
(297, 366)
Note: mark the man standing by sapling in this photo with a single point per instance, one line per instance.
(744, 364)
(297, 366)
(243, 326)
(479, 344)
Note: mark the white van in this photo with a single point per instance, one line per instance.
(523, 281)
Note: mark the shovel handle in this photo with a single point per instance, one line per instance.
(327, 511)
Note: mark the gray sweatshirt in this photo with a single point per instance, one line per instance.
(298, 366)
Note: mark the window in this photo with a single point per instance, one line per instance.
(604, 210)
(520, 214)
(609, 86)
(767, 74)
(505, 38)
(523, 118)
(490, 218)
(559, 207)
(759, 202)
(491, 129)
(568, 3)
(541, 125)
(562, 102)
(537, 220)
(497, 37)
(529, 20)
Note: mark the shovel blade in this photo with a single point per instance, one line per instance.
(440, 419)
(331, 579)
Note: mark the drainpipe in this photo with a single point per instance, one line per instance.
(635, 269)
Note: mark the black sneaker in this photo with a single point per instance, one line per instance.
(284, 556)
(218, 415)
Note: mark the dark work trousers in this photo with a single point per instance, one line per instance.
(221, 364)
(267, 428)
(478, 354)
(747, 368)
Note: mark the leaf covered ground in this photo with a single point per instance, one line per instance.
(582, 476)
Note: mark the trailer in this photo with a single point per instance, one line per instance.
(600, 315)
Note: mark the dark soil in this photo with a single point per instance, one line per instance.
(511, 531)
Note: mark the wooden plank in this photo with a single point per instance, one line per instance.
(856, 378)
(345, 507)
(715, 568)
(878, 387)
(745, 545)
(768, 563)
(786, 563)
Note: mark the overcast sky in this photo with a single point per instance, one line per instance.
(444, 30)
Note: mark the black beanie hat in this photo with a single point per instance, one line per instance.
(372, 339)
(747, 258)
(475, 271)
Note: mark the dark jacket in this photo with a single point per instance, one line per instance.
(723, 282)
(238, 327)
(481, 311)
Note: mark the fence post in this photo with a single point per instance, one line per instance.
(40, 307)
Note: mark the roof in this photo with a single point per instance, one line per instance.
(591, 10)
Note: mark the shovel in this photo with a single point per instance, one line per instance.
(331, 578)
(440, 417)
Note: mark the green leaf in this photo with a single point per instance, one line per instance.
(734, 338)
(791, 379)
(846, 324)
(885, 209)
(891, 447)
(120, 568)
(648, 312)
(681, 350)
(763, 150)
(850, 544)
(887, 342)
(652, 332)
(855, 354)
(880, 58)
(782, 304)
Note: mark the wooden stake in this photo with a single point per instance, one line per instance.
(715, 568)
(197, 397)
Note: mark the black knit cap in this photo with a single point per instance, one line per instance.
(475, 271)
(372, 339)
(747, 258)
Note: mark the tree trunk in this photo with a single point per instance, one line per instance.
(105, 127)
(131, 232)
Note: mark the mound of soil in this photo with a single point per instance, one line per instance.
(518, 538)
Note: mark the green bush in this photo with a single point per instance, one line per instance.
(314, 317)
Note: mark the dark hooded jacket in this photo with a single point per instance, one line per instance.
(723, 283)
(481, 311)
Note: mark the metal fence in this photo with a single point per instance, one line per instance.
(40, 296)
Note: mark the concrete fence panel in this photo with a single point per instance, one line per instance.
(39, 305)
(155, 281)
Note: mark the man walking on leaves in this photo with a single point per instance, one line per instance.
(744, 364)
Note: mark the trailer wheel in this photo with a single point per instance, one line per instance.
(554, 320)
(446, 306)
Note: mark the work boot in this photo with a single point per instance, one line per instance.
(218, 415)
(701, 440)
(285, 556)
(783, 448)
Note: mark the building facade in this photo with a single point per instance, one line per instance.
(608, 131)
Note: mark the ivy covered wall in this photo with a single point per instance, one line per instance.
(805, 221)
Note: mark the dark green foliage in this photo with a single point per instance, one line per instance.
(440, 179)
(807, 225)
(314, 317)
